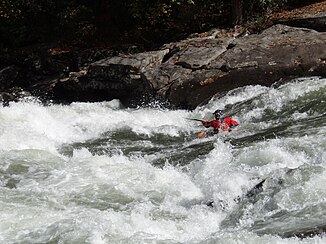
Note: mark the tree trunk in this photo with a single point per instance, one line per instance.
(237, 14)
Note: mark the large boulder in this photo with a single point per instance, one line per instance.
(120, 77)
(190, 72)
(280, 53)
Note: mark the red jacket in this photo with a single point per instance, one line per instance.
(226, 124)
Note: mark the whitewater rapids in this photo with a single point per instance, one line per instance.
(101, 173)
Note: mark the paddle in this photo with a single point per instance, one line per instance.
(196, 119)
(201, 134)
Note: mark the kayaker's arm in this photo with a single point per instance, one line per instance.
(233, 123)
(204, 122)
(207, 124)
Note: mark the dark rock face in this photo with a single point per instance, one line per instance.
(315, 23)
(120, 77)
(8, 76)
(36, 71)
(190, 72)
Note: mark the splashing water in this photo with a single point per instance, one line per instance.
(101, 173)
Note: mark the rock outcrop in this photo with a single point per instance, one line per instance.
(188, 73)
(120, 77)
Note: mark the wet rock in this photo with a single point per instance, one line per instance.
(121, 77)
(188, 73)
(13, 95)
(280, 53)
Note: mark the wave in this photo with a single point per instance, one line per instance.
(102, 173)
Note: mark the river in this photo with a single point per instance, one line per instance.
(101, 173)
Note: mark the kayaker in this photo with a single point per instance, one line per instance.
(220, 123)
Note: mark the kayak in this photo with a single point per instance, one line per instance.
(210, 133)
(205, 134)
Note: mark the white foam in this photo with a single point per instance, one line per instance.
(119, 198)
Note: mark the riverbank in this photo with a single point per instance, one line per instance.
(185, 73)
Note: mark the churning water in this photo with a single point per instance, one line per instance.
(101, 173)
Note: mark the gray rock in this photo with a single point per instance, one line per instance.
(188, 73)
(120, 77)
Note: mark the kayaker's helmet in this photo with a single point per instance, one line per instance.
(218, 114)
